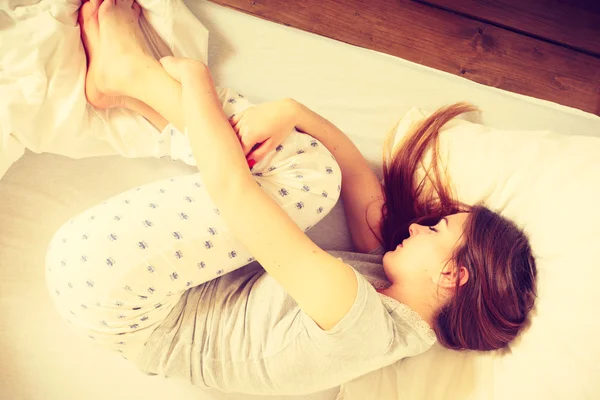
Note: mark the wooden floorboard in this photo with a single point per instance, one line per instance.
(575, 24)
(446, 41)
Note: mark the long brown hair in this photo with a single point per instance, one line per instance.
(489, 310)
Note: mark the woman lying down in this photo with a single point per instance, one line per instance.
(137, 273)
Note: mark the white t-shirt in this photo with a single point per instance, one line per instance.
(243, 333)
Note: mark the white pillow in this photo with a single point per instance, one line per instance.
(548, 184)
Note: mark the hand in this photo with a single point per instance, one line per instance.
(263, 127)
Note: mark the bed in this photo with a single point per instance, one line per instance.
(363, 92)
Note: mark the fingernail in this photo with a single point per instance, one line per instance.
(251, 163)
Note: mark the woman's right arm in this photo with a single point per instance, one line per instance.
(362, 192)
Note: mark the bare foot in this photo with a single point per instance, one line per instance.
(88, 22)
(122, 48)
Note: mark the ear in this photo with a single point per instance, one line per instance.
(448, 278)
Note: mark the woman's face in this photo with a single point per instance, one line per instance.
(422, 256)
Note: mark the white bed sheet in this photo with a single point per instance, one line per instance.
(361, 91)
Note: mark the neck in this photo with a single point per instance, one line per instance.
(415, 303)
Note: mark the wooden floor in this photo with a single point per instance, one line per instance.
(548, 49)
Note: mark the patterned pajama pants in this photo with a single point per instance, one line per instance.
(115, 271)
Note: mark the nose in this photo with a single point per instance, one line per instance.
(412, 229)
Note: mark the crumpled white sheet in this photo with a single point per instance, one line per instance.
(42, 78)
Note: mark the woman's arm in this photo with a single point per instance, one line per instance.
(362, 193)
(261, 128)
(324, 287)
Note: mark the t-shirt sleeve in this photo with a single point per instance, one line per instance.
(366, 330)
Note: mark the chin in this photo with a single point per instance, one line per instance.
(388, 262)
(386, 258)
(392, 254)
(392, 264)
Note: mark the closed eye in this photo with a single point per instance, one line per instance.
(432, 228)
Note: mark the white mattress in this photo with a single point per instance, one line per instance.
(361, 91)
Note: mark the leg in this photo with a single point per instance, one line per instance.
(122, 67)
(116, 270)
(147, 112)
(174, 142)
(90, 36)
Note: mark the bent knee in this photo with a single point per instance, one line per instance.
(301, 160)
(303, 178)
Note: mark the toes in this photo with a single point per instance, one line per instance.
(86, 11)
(87, 16)
(105, 5)
(93, 4)
(125, 3)
(88, 23)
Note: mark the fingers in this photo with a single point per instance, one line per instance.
(234, 125)
(247, 144)
(261, 151)
(235, 118)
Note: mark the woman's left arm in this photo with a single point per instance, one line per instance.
(324, 287)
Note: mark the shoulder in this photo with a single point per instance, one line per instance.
(386, 323)
(366, 316)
